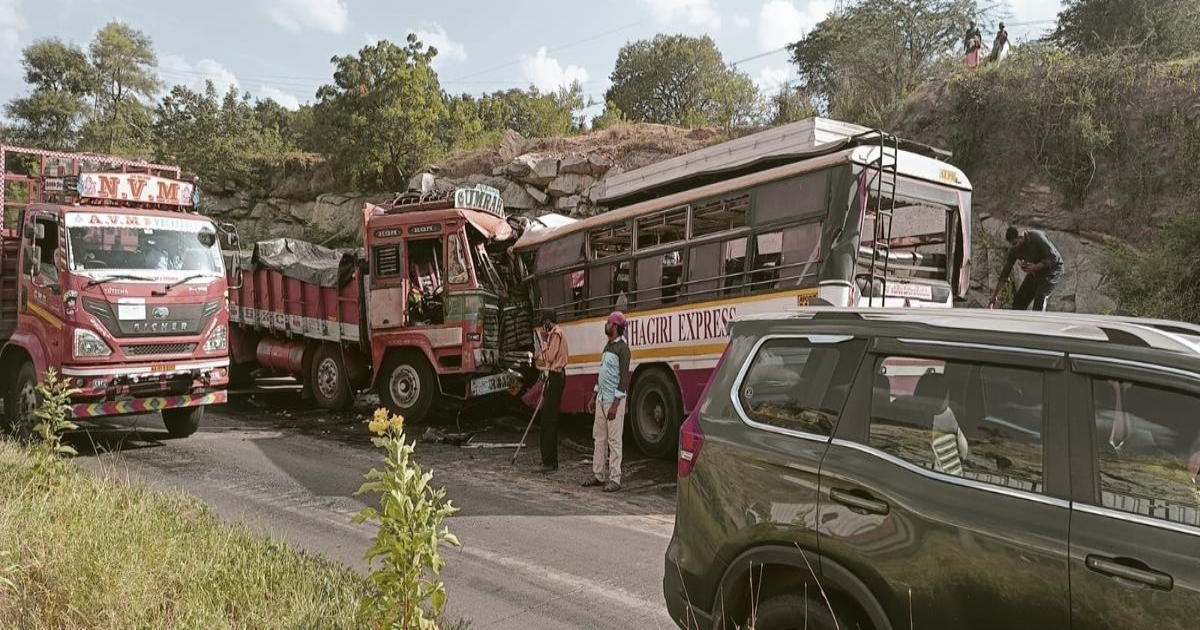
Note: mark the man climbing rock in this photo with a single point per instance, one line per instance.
(1041, 262)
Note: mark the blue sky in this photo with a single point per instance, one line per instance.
(281, 49)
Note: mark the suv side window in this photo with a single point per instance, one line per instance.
(799, 385)
(1148, 444)
(978, 422)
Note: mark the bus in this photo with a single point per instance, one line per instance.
(865, 221)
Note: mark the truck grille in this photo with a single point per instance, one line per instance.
(151, 349)
(491, 326)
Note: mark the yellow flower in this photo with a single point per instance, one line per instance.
(397, 423)
(378, 428)
(381, 415)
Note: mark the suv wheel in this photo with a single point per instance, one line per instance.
(788, 612)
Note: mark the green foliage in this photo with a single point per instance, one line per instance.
(867, 56)
(789, 105)
(220, 139)
(408, 592)
(680, 80)
(610, 117)
(54, 393)
(123, 66)
(1162, 281)
(53, 112)
(530, 112)
(380, 119)
(1155, 29)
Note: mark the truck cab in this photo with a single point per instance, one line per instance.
(119, 286)
(443, 321)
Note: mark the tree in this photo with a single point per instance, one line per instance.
(679, 80)
(788, 105)
(380, 118)
(610, 117)
(1161, 29)
(53, 112)
(123, 63)
(865, 57)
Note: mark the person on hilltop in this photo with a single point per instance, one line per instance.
(608, 424)
(1041, 262)
(999, 43)
(972, 42)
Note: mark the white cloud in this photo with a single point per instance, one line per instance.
(770, 79)
(742, 21)
(299, 16)
(546, 73)
(694, 12)
(1037, 15)
(12, 26)
(780, 23)
(279, 96)
(175, 70)
(433, 34)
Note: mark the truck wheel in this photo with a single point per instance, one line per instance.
(20, 402)
(330, 382)
(655, 414)
(407, 386)
(183, 421)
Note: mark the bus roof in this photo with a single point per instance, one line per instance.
(801, 140)
(910, 165)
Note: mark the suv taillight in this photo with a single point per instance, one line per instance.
(691, 440)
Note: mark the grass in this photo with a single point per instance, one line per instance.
(77, 551)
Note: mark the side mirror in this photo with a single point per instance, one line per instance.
(33, 258)
(231, 234)
(35, 231)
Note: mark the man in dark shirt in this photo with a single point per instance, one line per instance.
(1041, 262)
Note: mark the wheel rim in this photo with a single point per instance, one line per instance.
(652, 415)
(328, 378)
(26, 404)
(405, 386)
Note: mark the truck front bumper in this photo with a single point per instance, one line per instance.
(146, 405)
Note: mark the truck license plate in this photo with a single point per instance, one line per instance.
(489, 384)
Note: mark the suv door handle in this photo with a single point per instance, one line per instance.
(1121, 569)
(859, 501)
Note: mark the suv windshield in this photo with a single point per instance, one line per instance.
(103, 241)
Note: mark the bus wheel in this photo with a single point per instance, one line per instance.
(21, 401)
(655, 414)
(407, 386)
(330, 382)
(182, 421)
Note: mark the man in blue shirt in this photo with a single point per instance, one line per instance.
(608, 424)
(1041, 262)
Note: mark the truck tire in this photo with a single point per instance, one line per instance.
(655, 414)
(407, 386)
(19, 403)
(183, 421)
(329, 379)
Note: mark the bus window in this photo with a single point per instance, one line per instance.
(611, 241)
(716, 268)
(660, 229)
(659, 278)
(608, 288)
(786, 259)
(791, 199)
(552, 291)
(560, 253)
(576, 279)
(919, 231)
(720, 216)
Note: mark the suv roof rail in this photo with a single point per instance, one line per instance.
(1167, 335)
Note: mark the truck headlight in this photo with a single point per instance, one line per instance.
(218, 339)
(89, 344)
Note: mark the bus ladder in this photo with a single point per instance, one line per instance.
(886, 175)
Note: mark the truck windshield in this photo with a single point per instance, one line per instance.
(166, 245)
(485, 270)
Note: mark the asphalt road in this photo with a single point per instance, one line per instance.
(538, 551)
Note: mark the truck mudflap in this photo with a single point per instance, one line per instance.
(146, 405)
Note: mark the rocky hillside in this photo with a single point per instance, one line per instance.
(534, 175)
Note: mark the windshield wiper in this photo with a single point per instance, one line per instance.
(99, 281)
(179, 282)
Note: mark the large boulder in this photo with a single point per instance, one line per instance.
(516, 197)
(569, 184)
(592, 164)
(520, 167)
(545, 169)
(567, 205)
(537, 193)
(336, 213)
(512, 144)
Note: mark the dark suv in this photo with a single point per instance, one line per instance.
(942, 469)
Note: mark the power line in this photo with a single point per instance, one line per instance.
(554, 49)
(759, 56)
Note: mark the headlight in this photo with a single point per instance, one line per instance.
(218, 339)
(89, 344)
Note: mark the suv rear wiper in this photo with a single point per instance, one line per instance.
(99, 281)
(172, 285)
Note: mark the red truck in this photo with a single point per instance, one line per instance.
(109, 276)
(423, 313)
